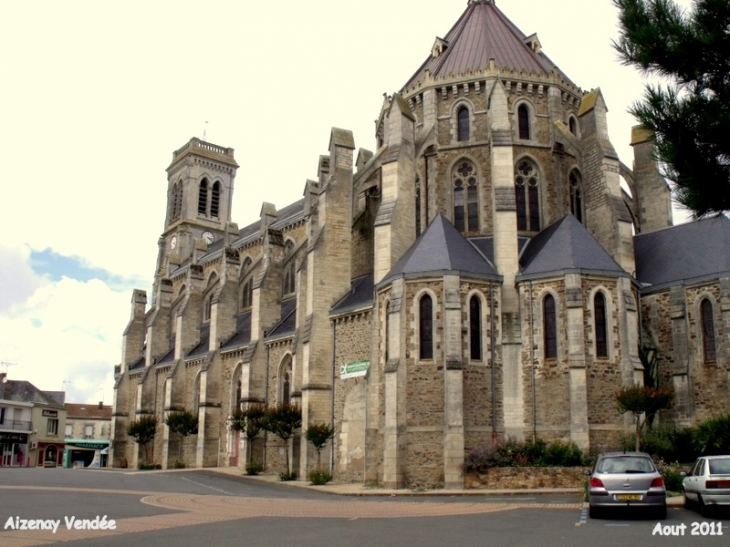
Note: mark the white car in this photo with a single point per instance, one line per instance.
(708, 484)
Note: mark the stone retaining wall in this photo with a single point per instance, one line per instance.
(526, 477)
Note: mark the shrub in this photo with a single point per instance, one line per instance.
(643, 401)
(144, 466)
(711, 437)
(143, 431)
(254, 467)
(178, 465)
(288, 476)
(512, 453)
(319, 477)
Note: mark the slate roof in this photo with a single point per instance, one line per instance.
(562, 246)
(88, 411)
(243, 332)
(202, 348)
(481, 32)
(24, 392)
(439, 249)
(138, 365)
(287, 325)
(360, 296)
(169, 357)
(684, 253)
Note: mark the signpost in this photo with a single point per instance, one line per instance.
(354, 370)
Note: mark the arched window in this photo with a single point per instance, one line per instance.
(550, 329)
(462, 117)
(527, 184)
(215, 200)
(247, 294)
(176, 200)
(599, 311)
(425, 317)
(418, 206)
(289, 269)
(208, 307)
(290, 277)
(475, 328)
(576, 195)
(285, 380)
(466, 197)
(523, 119)
(386, 338)
(573, 126)
(708, 331)
(203, 197)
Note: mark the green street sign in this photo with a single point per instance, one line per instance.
(353, 370)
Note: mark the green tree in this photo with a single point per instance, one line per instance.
(318, 435)
(690, 113)
(251, 422)
(143, 430)
(183, 423)
(642, 401)
(283, 421)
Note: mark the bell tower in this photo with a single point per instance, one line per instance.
(199, 191)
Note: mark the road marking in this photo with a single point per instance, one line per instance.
(583, 517)
(619, 524)
(206, 486)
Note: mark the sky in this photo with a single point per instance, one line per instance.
(97, 95)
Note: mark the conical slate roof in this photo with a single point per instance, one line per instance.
(682, 253)
(566, 245)
(440, 249)
(483, 32)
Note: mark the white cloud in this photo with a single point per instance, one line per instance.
(67, 331)
(19, 281)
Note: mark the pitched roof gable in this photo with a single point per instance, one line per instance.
(441, 248)
(565, 245)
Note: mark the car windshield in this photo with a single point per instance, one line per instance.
(625, 464)
(720, 467)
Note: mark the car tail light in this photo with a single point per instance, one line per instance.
(657, 483)
(717, 484)
(596, 483)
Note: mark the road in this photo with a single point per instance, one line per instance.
(192, 508)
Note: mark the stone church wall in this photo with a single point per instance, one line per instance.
(353, 340)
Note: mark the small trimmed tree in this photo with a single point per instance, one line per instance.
(318, 435)
(643, 401)
(251, 422)
(283, 421)
(183, 423)
(143, 430)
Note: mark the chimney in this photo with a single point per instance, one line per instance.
(101, 405)
(3, 378)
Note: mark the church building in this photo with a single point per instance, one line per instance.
(483, 274)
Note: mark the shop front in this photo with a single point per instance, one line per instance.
(85, 453)
(13, 449)
(50, 454)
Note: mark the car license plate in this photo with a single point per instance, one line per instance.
(628, 497)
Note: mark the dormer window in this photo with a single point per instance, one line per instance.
(439, 46)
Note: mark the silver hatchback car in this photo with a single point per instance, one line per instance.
(626, 479)
(708, 484)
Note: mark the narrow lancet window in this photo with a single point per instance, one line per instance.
(425, 316)
(550, 327)
(475, 328)
(203, 197)
(708, 331)
(599, 309)
(463, 123)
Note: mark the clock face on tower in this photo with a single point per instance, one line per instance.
(208, 237)
(173, 242)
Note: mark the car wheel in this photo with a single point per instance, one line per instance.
(593, 512)
(687, 501)
(704, 510)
